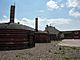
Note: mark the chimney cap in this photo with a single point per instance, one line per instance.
(36, 18)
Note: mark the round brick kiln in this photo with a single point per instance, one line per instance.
(16, 35)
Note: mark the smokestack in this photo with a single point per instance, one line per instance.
(36, 24)
(12, 13)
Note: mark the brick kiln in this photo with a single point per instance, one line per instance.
(14, 34)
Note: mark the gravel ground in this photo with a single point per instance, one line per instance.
(42, 51)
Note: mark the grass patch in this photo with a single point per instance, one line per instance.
(67, 58)
(20, 54)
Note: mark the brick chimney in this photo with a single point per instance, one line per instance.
(12, 13)
(36, 24)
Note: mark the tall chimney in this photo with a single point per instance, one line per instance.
(36, 24)
(12, 13)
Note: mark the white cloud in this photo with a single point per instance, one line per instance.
(62, 5)
(54, 22)
(26, 21)
(74, 13)
(5, 20)
(41, 11)
(4, 16)
(59, 21)
(42, 22)
(52, 4)
(73, 3)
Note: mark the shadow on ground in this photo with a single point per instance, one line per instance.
(7, 48)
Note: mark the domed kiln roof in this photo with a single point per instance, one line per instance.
(14, 26)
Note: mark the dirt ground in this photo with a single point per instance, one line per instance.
(70, 42)
(42, 51)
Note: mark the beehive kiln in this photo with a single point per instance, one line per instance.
(14, 34)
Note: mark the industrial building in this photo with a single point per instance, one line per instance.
(20, 36)
(53, 32)
(17, 35)
(75, 34)
(14, 34)
(40, 36)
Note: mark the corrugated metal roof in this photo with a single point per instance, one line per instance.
(14, 26)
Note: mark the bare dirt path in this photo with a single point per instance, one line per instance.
(42, 51)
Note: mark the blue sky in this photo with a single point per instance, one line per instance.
(62, 14)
